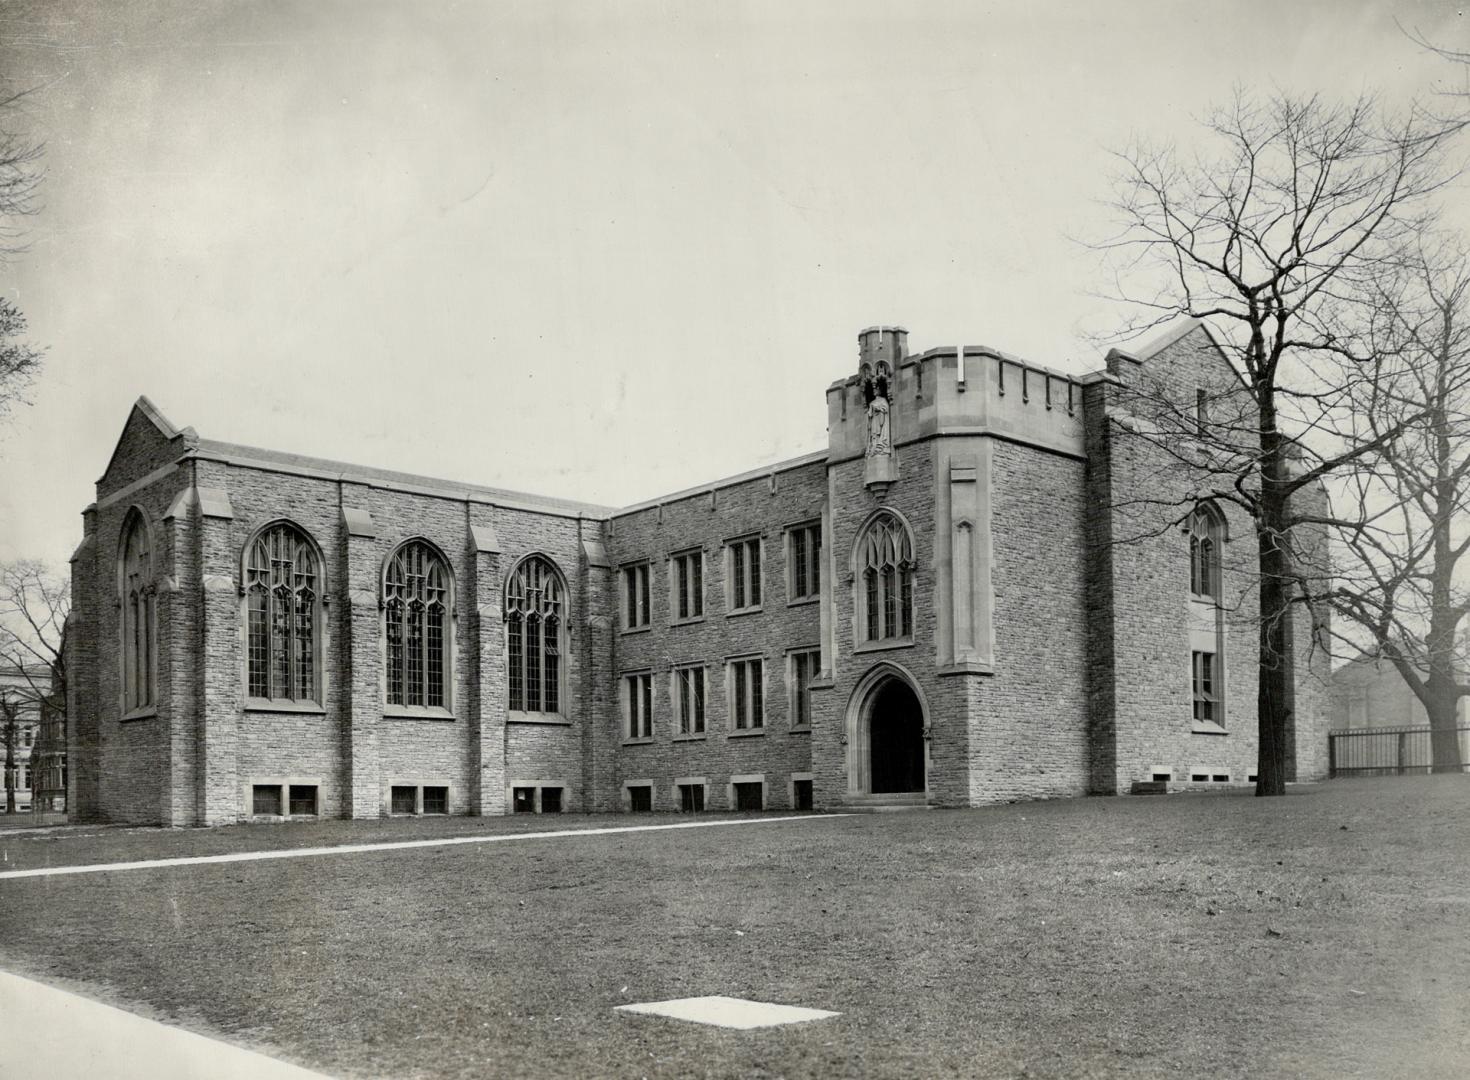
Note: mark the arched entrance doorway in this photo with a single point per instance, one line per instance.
(887, 720)
(895, 738)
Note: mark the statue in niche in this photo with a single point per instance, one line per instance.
(875, 390)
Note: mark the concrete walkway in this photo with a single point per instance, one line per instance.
(62, 1036)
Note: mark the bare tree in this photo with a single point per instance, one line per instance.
(20, 179)
(1271, 232)
(1400, 581)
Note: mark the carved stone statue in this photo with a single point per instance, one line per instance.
(875, 389)
(879, 441)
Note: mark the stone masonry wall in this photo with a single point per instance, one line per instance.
(764, 506)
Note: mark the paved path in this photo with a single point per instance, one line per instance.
(50, 1033)
(391, 845)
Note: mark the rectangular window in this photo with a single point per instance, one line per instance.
(638, 697)
(436, 800)
(691, 798)
(404, 800)
(635, 596)
(749, 796)
(266, 799)
(1206, 699)
(551, 800)
(1201, 410)
(804, 667)
(523, 800)
(744, 574)
(687, 573)
(689, 700)
(804, 560)
(747, 693)
(303, 799)
(640, 799)
(801, 794)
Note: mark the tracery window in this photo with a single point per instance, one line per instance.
(885, 577)
(139, 615)
(416, 606)
(1204, 553)
(283, 595)
(535, 627)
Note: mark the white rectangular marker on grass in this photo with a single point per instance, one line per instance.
(729, 1012)
(390, 845)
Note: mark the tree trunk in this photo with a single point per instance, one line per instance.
(1442, 703)
(1273, 695)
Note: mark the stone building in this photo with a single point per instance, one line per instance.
(941, 607)
(22, 724)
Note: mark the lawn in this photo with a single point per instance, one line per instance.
(1319, 935)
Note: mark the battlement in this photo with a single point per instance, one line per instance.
(957, 390)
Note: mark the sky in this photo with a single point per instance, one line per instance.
(599, 251)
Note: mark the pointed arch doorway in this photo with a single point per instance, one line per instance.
(887, 748)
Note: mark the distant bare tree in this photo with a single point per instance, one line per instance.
(34, 605)
(1272, 232)
(1400, 581)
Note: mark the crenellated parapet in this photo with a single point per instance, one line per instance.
(951, 390)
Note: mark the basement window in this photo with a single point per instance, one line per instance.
(303, 800)
(436, 800)
(524, 800)
(1221, 778)
(640, 799)
(749, 796)
(1162, 777)
(691, 798)
(265, 800)
(551, 800)
(404, 800)
(1199, 778)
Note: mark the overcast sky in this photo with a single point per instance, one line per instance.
(601, 251)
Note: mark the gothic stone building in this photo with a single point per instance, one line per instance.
(938, 608)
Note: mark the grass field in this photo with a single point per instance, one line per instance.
(1321, 935)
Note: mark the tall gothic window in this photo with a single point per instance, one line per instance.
(1204, 553)
(416, 608)
(885, 578)
(283, 594)
(139, 614)
(535, 623)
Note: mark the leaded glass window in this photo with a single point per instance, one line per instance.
(535, 619)
(139, 613)
(282, 616)
(416, 607)
(1204, 553)
(885, 564)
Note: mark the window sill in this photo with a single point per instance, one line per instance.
(745, 733)
(804, 729)
(537, 718)
(645, 628)
(697, 736)
(147, 712)
(410, 712)
(691, 621)
(285, 705)
(1204, 727)
(803, 600)
(883, 644)
(646, 740)
(744, 611)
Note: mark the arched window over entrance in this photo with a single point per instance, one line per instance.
(885, 579)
